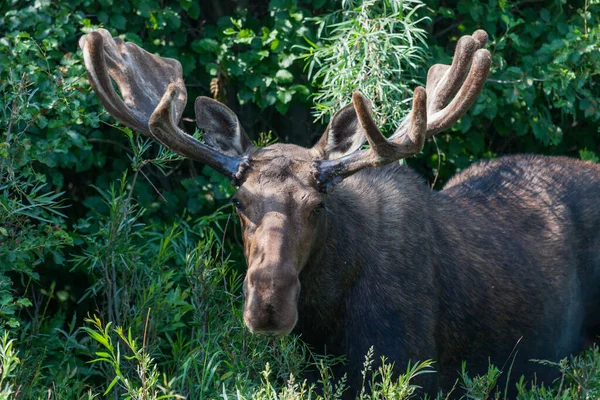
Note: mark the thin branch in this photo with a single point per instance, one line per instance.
(154, 187)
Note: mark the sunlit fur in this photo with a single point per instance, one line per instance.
(277, 205)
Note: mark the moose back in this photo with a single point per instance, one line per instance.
(352, 250)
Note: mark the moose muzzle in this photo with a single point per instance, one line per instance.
(271, 285)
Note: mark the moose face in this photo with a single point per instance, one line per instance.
(281, 206)
(281, 211)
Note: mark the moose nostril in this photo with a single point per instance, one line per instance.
(271, 301)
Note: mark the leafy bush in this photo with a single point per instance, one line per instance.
(41, 104)
(375, 47)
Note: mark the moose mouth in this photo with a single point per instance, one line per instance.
(271, 306)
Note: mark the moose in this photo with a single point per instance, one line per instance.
(350, 249)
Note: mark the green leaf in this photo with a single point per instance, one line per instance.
(118, 21)
(282, 108)
(99, 338)
(588, 155)
(284, 96)
(226, 375)
(284, 76)
(145, 8)
(110, 386)
(465, 123)
(102, 17)
(271, 98)
(253, 81)
(173, 18)
(212, 69)
(209, 45)
(186, 4)
(24, 302)
(194, 10)
(301, 89)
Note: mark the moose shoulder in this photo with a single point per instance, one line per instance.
(351, 250)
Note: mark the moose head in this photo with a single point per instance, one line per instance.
(282, 199)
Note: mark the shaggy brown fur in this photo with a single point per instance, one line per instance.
(503, 263)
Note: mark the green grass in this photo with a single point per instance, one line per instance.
(132, 372)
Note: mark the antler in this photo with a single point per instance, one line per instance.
(154, 96)
(451, 91)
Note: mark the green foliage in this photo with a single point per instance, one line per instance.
(259, 56)
(177, 290)
(146, 371)
(375, 47)
(36, 89)
(480, 387)
(580, 379)
(382, 384)
(8, 364)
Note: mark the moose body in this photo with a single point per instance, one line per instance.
(504, 262)
(351, 250)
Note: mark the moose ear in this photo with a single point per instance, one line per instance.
(222, 129)
(343, 135)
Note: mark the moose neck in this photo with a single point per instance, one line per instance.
(367, 210)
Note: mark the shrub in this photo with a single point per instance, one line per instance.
(375, 47)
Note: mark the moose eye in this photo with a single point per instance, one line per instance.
(237, 204)
(318, 208)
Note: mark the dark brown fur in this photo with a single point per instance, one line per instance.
(506, 257)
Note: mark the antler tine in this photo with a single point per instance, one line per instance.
(142, 78)
(445, 81)
(154, 96)
(382, 151)
(466, 96)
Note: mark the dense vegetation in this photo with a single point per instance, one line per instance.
(120, 264)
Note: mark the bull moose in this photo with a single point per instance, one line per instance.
(350, 249)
